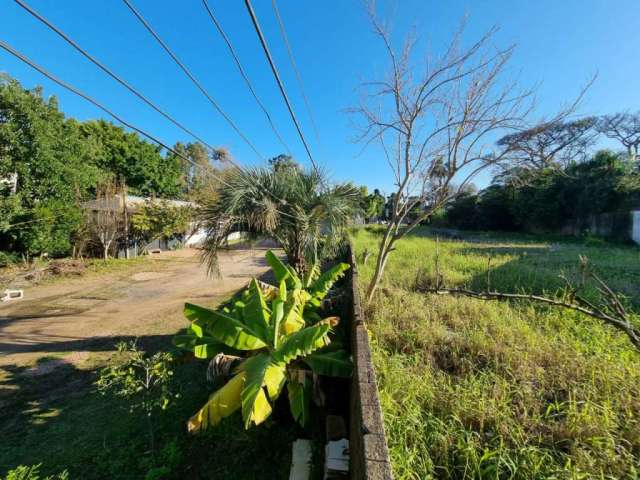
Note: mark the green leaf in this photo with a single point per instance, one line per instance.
(255, 314)
(293, 320)
(277, 314)
(282, 271)
(323, 284)
(311, 275)
(222, 328)
(209, 350)
(264, 381)
(299, 390)
(332, 364)
(303, 342)
(202, 347)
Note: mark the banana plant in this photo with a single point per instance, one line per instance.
(310, 290)
(314, 285)
(281, 344)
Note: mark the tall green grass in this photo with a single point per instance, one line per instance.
(474, 389)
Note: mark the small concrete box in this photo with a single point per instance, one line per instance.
(9, 295)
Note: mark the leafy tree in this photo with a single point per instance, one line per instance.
(495, 208)
(283, 163)
(553, 144)
(462, 212)
(157, 219)
(142, 380)
(140, 164)
(548, 199)
(196, 174)
(54, 168)
(371, 205)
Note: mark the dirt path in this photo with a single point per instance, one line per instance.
(65, 322)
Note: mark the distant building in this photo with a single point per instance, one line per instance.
(128, 205)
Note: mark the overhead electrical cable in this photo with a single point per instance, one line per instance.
(193, 79)
(244, 74)
(276, 75)
(112, 74)
(97, 104)
(5, 46)
(186, 71)
(292, 59)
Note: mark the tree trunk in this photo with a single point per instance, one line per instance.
(381, 262)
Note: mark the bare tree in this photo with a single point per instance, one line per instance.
(434, 120)
(550, 144)
(107, 216)
(624, 127)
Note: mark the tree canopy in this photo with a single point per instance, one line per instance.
(59, 161)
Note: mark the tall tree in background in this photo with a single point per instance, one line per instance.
(54, 167)
(197, 174)
(125, 155)
(433, 119)
(552, 144)
(623, 127)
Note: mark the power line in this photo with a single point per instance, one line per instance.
(97, 104)
(285, 39)
(202, 89)
(73, 89)
(195, 81)
(263, 42)
(243, 73)
(110, 72)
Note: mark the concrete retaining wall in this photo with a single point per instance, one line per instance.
(369, 455)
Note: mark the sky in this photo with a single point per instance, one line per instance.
(560, 45)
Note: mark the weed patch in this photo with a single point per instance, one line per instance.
(474, 389)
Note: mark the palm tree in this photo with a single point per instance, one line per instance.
(295, 207)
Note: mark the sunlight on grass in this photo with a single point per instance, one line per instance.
(474, 389)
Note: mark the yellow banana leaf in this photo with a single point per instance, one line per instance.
(221, 404)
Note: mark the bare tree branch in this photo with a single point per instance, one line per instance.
(609, 307)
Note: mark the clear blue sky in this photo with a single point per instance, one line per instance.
(560, 45)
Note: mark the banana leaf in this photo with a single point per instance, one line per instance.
(333, 364)
(299, 389)
(221, 404)
(264, 381)
(223, 328)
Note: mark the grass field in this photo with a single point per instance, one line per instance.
(474, 389)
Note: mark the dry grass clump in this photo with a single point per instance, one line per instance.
(474, 389)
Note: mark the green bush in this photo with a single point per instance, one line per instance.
(7, 259)
(31, 473)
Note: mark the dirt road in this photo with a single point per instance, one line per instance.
(66, 321)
